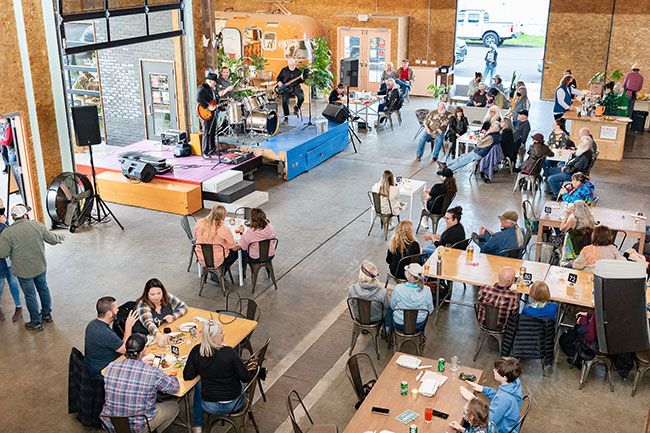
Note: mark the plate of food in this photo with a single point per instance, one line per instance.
(176, 338)
(187, 326)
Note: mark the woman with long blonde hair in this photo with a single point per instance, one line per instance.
(400, 245)
(578, 225)
(222, 372)
(212, 230)
(389, 194)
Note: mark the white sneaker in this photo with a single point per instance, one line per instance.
(424, 223)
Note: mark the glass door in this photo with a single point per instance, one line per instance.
(159, 86)
(371, 47)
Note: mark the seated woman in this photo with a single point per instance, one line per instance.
(539, 305)
(559, 138)
(337, 94)
(412, 295)
(475, 416)
(458, 126)
(493, 137)
(580, 188)
(259, 230)
(538, 150)
(435, 196)
(578, 225)
(508, 140)
(497, 98)
(211, 230)
(389, 194)
(454, 234)
(493, 114)
(400, 245)
(367, 287)
(479, 98)
(391, 100)
(389, 72)
(222, 373)
(519, 102)
(602, 247)
(156, 307)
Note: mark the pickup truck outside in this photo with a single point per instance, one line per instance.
(475, 24)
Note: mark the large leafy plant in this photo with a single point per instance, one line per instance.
(320, 76)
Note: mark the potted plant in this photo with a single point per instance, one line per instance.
(320, 76)
(439, 92)
(257, 65)
(513, 84)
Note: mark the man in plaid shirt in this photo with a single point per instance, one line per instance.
(435, 125)
(131, 387)
(501, 296)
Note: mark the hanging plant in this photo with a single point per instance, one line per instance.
(320, 76)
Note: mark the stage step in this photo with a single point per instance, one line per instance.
(222, 181)
(234, 192)
(254, 199)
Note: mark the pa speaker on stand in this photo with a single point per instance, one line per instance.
(86, 128)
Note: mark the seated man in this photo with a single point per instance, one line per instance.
(483, 147)
(501, 296)
(522, 129)
(391, 100)
(435, 125)
(510, 236)
(102, 345)
(131, 388)
(506, 400)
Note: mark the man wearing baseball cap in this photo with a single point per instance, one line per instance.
(522, 129)
(24, 242)
(510, 236)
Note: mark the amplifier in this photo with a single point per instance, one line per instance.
(236, 156)
(172, 137)
(138, 170)
(160, 164)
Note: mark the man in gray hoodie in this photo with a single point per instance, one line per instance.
(368, 288)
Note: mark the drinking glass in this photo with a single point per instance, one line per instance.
(455, 363)
(428, 414)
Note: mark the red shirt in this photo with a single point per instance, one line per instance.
(7, 139)
(403, 74)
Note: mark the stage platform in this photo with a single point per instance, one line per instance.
(297, 150)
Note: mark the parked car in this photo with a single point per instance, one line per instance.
(540, 65)
(461, 51)
(475, 24)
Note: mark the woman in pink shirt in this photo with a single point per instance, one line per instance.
(260, 230)
(211, 230)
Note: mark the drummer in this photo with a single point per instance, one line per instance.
(224, 86)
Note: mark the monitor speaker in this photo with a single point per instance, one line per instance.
(349, 74)
(86, 125)
(620, 302)
(336, 113)
(138, 170)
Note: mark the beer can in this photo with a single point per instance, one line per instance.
(413, 428)
(441, 364)
(404, 388)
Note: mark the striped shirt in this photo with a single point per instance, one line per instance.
(131, 387)
(151, 322)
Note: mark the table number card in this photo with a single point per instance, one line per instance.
(407, 416)
(573, 278)
(175, 351)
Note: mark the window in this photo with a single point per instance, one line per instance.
(486, 17)
(473, 17)
(232, 42)
(296, 49)
(461, 17)
(269, 41)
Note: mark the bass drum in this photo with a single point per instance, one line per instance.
(265, 122)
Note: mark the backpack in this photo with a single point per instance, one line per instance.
(573, 344)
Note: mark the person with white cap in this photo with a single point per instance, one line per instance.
(632, 84)
(5, 273)
(412, 295)
(24, 243)
(510, 236)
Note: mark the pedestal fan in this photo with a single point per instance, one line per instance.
(69, 200)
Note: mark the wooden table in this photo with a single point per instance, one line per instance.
(235, 330)
(386, 393)
(608, 134)
(615, 219)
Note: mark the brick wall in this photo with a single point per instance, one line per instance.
(121, 78)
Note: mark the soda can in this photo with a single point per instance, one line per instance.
(441, 364)
(404, 388)
(413, 428)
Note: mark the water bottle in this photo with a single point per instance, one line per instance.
(439, 264)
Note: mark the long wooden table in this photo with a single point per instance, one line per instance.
(386, 393)
(235, 330)
(615, 219)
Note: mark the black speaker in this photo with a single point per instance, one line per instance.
(620, 301)
(138, 170)
(336, 113)
(86, 125)
(349, 74)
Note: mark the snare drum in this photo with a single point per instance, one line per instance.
(250, 103)
(235, 113)
(263, 121)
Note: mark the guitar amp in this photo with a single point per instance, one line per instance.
(173, 137)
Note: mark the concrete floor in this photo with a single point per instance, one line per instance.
(322, 221)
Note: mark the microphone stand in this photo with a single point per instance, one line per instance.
(353, 135)
(309, 123)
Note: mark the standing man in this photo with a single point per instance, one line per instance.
(632, 84)
(101, 344)
(23, 242)
(5, 273)
(287, 74)
(207, 98)
(435, 127)
(224, 85)
(490, 62)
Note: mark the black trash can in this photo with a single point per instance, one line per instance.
(638, 121)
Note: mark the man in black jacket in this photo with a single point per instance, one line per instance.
(287, 74)
(522, 130)
(207, 98)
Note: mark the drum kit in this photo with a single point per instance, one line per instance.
(254, 114)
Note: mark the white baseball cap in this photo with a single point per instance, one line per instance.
(19, 211)
(414, 269)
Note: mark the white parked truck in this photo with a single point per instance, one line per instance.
(475, 24)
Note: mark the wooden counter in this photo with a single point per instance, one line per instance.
(609, 134)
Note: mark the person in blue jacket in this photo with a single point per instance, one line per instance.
(510, 236)
(412, 295)
(5, 273)
(506, 400)
(540, 305)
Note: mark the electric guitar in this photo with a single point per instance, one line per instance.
(280, 90)
(207, 113)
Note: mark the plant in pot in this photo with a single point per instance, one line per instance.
(258, 63)
(439, 92)
(320, 77)
(513, 84)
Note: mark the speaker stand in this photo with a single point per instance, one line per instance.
(353, 135)
(103, 211)
(309, 123)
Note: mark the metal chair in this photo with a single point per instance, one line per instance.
(410, 333)
(260, 356)
(526, 404)
(385, 219)
(185, 224)
(600, 358)
(353, 372)
(121, 423)
(641, 367)
(406, 260)
(245, 308)
(239, 416)
(546, 255)
(531, 181)
(294, 397)
(513, 253)
(446, 202)
(592, 163)
(361, 315)
(244, 211)
(209, 267)
(615, 235)
(488, 328)
(264, 260)
(222, 420)
(420, 115)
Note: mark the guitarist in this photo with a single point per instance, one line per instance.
(293, 74)
(207, 98)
